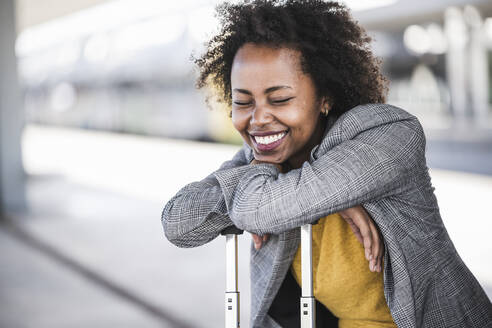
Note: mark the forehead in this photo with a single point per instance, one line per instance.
(261, 64)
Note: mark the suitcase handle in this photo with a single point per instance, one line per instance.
(232, 289)
(232, 230)
(307, 300)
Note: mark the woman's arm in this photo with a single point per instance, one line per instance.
(373, 151)
(197, 213)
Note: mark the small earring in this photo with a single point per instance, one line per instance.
(325, 110)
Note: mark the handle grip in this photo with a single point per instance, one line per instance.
(231, 230)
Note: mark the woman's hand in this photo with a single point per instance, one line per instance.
(367, 233)
(364, 229)
(260, 240)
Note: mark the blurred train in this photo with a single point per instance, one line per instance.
(124, 67)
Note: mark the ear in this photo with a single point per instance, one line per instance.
(325, 105)
(327, 101)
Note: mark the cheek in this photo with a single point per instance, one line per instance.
(240, 123)
(237, 122)
(301, 122)
(301, 134)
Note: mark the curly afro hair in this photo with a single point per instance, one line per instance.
(335, 50)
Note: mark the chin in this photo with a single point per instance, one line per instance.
(268, 158)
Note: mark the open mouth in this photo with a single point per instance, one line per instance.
(270, 142)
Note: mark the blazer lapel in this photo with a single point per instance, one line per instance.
(268, 272)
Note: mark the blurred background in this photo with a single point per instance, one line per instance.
(100, 125)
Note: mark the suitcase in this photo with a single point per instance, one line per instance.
(307, 300)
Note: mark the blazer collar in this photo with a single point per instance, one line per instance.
(323, 147)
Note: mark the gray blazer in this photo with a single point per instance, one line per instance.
(373, 155)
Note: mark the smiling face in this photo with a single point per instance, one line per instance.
(271, 95)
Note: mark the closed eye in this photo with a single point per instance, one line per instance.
(279, 101)
(241, 103)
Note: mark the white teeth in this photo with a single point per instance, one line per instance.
(269, 139)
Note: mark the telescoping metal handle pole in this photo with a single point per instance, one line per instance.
(308, 302)
(232, 291)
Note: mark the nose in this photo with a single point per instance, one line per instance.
(261, 116)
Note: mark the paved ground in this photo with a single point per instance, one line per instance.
(38, 291)
(90, 251)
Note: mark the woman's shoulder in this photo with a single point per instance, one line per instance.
(379, 117)
(381, 108)
(386, 129)
(375, 113)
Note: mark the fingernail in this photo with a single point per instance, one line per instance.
(370, 257)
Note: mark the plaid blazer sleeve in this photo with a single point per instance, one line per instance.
(371, 152)
(197, 213)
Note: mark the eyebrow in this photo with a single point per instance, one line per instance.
(271, 89)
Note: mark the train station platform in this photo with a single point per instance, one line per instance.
(90, 250)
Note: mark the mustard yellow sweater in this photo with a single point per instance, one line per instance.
(342, 280)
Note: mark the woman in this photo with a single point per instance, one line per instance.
(302, 73)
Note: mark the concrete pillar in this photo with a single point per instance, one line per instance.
(478, 73)
(12, 177)
(457, 37)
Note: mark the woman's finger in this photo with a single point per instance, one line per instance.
(378, 249)
(375, 249)
(265, 237)
(361, 222)
(257, 240)
(376, 243)
(355, 230)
